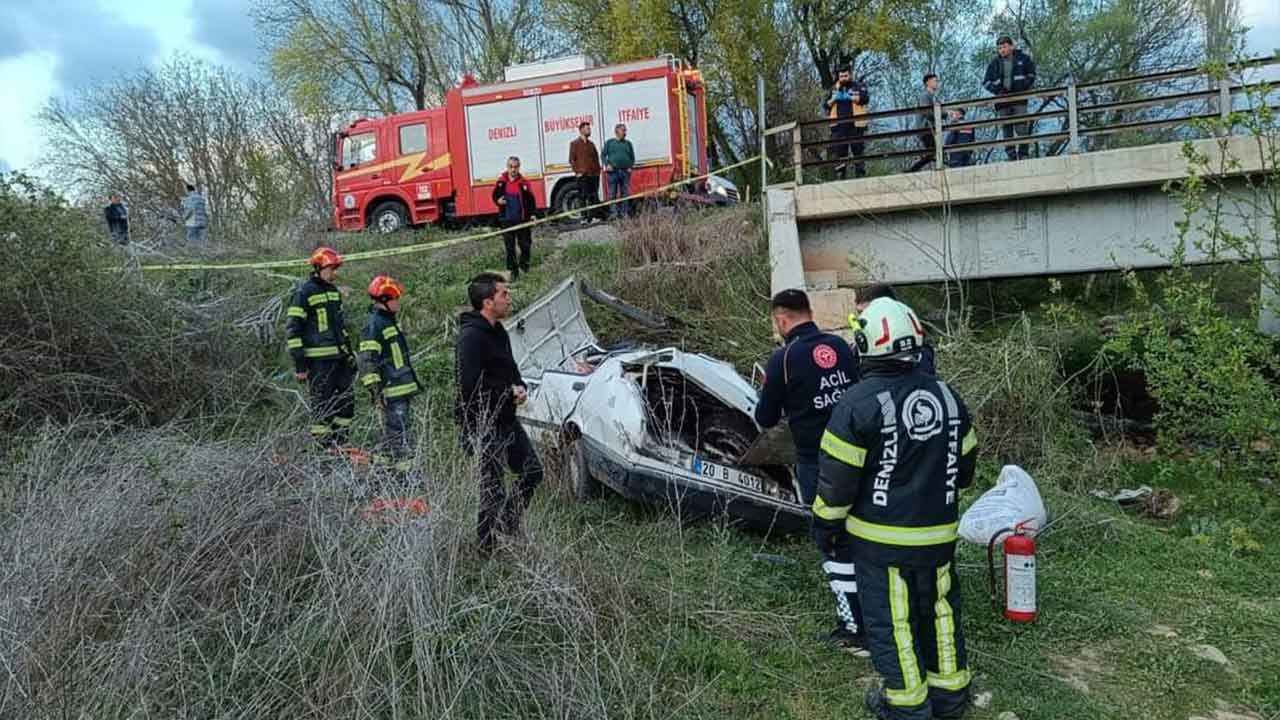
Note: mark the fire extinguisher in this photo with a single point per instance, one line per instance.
(1019, 572)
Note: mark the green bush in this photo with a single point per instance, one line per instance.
(83, 333)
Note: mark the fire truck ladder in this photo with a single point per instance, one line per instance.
(683, 104)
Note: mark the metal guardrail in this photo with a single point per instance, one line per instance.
(1062, 103)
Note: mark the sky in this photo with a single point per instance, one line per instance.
(51, 47)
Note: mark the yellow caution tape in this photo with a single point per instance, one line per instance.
(424, 247)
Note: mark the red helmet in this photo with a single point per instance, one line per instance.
(324, 257)
(385, 287)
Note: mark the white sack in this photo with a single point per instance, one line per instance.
(1013, 500)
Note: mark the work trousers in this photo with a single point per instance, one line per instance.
(848, 131)
(395, 449)
(333, 403)
(1015, 129)
(837, 560)
(926, 142)
(917, 646)
(620, 187)
(524, 238)
(501, 510)
(589, 194)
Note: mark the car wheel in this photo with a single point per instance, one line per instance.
(584, 485)
(389, 217)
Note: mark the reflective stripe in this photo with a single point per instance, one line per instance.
(371, 379)
(908, 536)
(295, 311)
(322, 320)
(321, 352)
(390, 332)
(944, 623)
(342, 422)
(845, 452)
(294, 343)
(844, 586)
(370, 346)
(831, 567)
(827, 512)
(318, 299)
(320, 430)
(914, 691)
(969, 443)
(956, 681)
(400, 390)
(397, 357)
(335, 296)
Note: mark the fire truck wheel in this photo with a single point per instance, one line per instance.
(565, 197)
(388, 217)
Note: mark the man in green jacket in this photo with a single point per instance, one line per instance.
(619, 157)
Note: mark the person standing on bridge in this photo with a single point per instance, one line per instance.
(619, 157)
(515, 202)
(585, 161)
(845, 105)
(898, 450)
(1011, 72)
(925, 121)
(803, 380)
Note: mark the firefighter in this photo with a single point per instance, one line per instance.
(803, 380)
(899, 448)
(322, 357)
(388, 373)
(865, 296)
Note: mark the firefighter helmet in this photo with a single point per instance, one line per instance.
(888, 329)
(385, 287)
(324, 257)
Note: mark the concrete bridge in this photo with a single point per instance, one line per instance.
(1075, 213)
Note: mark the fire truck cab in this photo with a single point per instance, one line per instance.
(440, 164)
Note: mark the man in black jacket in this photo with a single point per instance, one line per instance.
(316, 336)
(489, 389)
(898, 450)
(803, 380)
(516, 204)
(388, 373)
(1011, 72)
(117, 215)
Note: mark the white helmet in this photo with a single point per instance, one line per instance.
(887, 329)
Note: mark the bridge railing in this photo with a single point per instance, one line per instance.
(1070, 118)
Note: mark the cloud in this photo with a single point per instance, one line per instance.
(89, 42)
(226, 26)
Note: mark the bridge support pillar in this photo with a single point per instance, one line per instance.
(784, 242)
(1269, 301)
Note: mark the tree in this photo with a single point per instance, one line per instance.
(147, 134)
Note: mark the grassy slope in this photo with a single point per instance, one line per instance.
(732, 636)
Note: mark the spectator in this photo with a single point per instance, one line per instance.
(848, 100)
(1011, 72)
(959, 136)
(195, 216)
(619, 157)
(117, 220)
(585, 161)
(925, 122)
(515, 203)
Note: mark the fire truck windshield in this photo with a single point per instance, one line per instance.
(359, 149)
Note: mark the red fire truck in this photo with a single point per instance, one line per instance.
(440, 164)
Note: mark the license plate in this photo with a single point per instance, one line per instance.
(724, 473)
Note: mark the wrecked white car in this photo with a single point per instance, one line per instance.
(655, 425)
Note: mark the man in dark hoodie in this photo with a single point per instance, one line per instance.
(117, 215)
(1011, 72)
(489, 389)
(515, 203)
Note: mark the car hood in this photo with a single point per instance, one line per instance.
(546, 334)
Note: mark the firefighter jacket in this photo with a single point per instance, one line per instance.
(804, 380)
(486, 371)
(316, 328)
(384, 356)
(1021, 79)
(899, 448)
